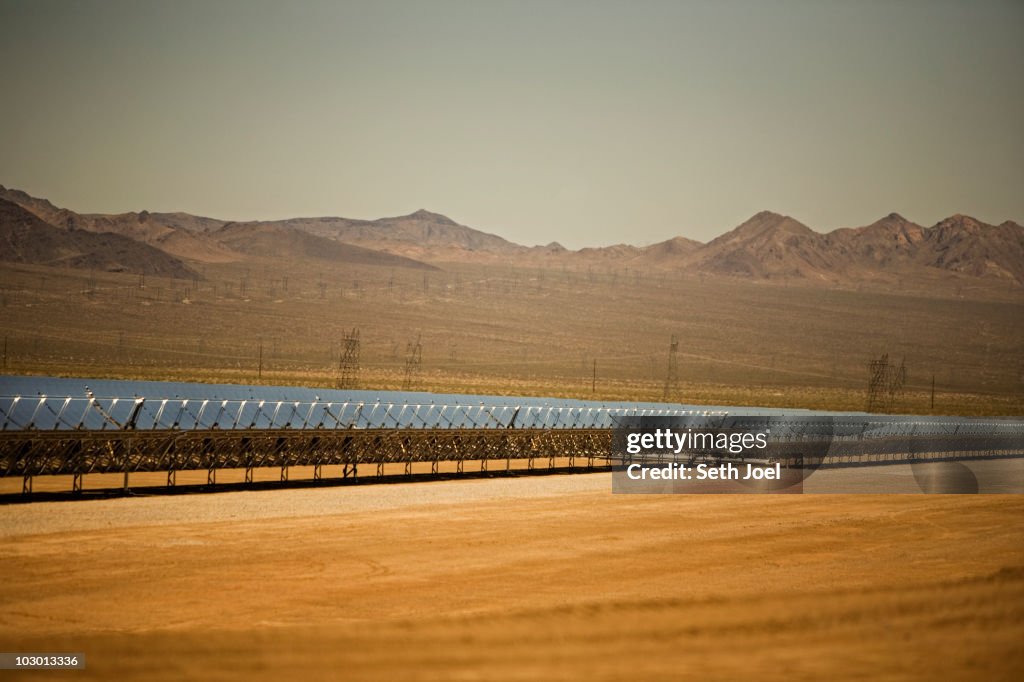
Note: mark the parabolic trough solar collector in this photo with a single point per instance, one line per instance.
(48, 403)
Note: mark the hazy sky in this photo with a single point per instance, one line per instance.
(587, 122)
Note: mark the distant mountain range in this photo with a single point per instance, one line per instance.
(25, 238)
(768, 246)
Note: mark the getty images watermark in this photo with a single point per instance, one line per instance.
(817, 453)
(688, 442)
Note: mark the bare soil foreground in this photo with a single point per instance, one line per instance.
(550, 578)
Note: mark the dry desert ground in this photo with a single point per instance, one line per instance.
(520, 578)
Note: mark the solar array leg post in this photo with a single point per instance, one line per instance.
(317, 473)
(172, 477)
(529, 463)
(284, 473)
(551, 461)
(380, 469)
(433, 467)
(76, 482)
(483, 464)
(211, 476)
(572, 460)
(127, 463)
(408, 467)
(26, 485)
(248, 474)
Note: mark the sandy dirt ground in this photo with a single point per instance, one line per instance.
(523, 578)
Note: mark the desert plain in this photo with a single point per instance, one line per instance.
(545, 577)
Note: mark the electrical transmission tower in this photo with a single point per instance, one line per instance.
(348, 363)
(897, 380)
(672, 375)
(885, 383)
(413, 360)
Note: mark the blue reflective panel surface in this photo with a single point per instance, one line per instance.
(49, 403)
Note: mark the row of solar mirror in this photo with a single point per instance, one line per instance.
(845, 428)
(50, 413)
(840, 427)
(940, 426)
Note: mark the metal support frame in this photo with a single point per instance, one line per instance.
(28, 452)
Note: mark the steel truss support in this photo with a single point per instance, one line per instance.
(29, 453)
